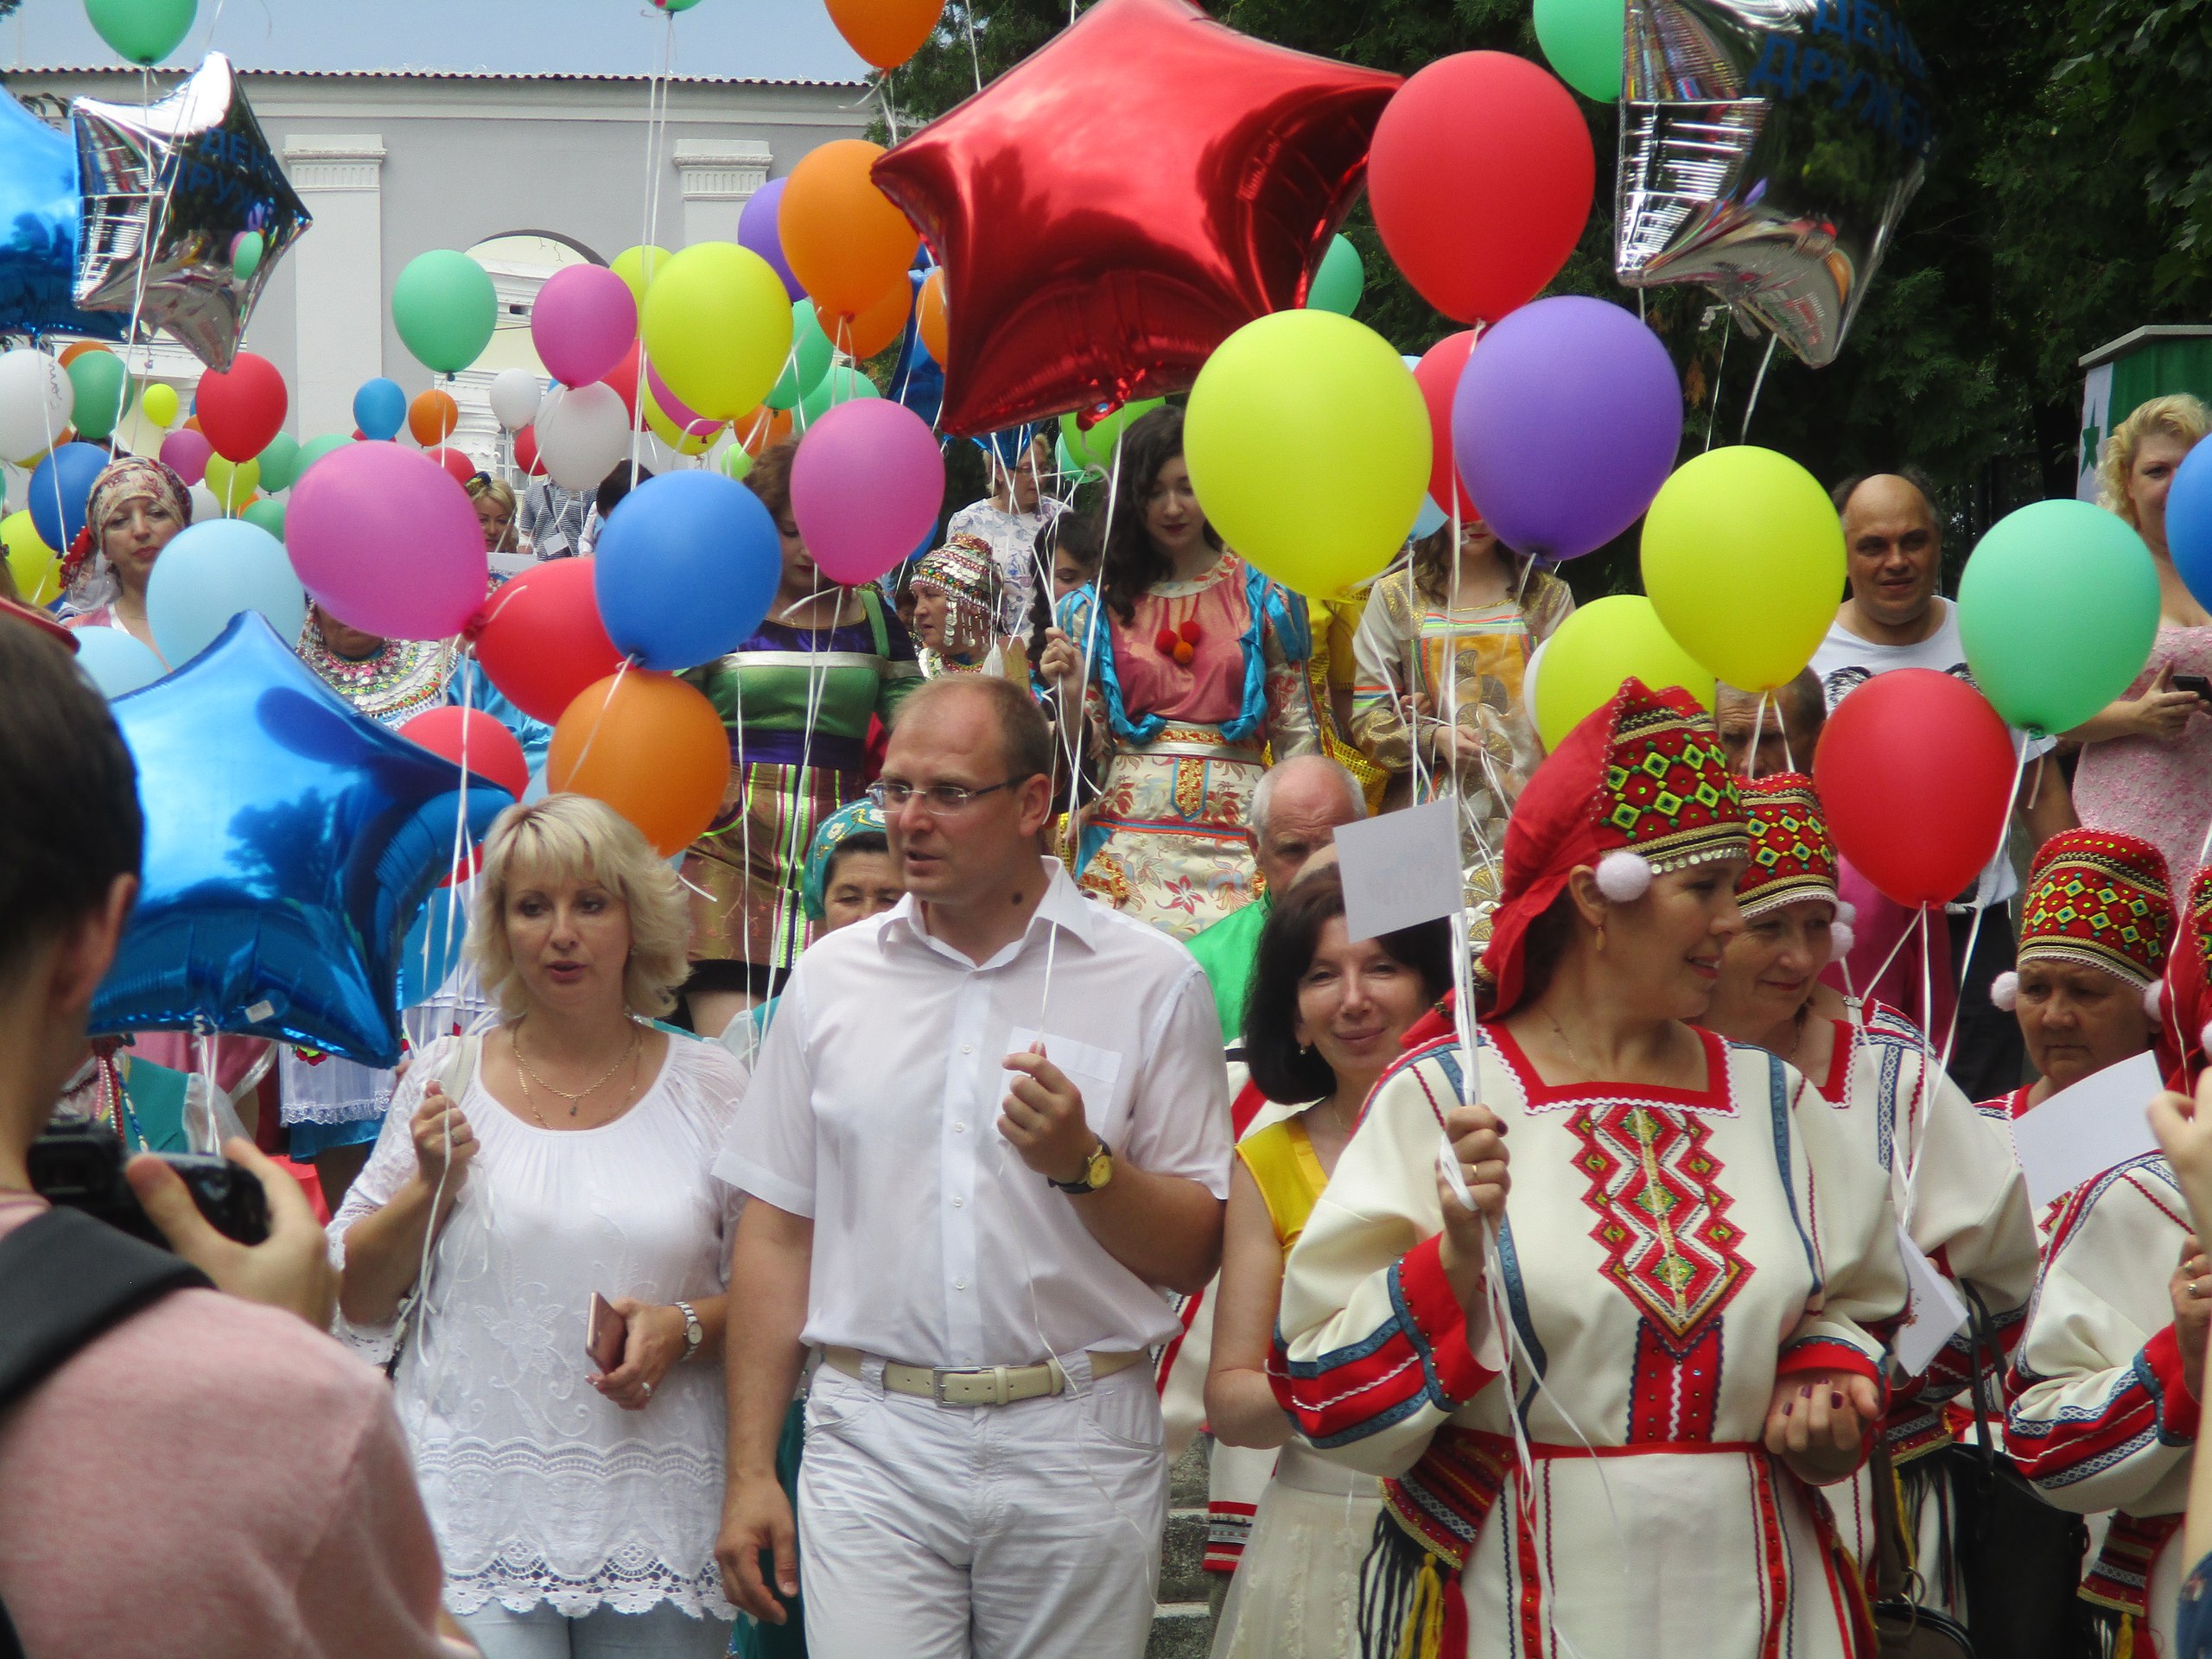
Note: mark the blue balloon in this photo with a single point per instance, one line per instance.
(60, 485)
(431, 950)
(1431, 520)
(289, 841)
(116, 662)
(685, 568)
(379, 408)
(208, 573)
(2189, 521)
(40, 212)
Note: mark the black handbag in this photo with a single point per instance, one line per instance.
(1903, 1628)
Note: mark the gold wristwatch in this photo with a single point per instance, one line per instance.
(1096, 1171)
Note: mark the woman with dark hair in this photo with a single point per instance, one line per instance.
(136, 508)
(1325, 1017)
(1190, 670)
(797, 697)
(1601, 1418)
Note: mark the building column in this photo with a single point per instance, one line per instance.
(719, 175)
(339, 266)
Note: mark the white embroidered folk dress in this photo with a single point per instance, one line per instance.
(1667, 1255)
(539, 1488)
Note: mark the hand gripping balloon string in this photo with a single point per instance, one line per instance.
(1757, 383)
(1981, 904)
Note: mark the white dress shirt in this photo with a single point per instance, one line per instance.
(874, 1108)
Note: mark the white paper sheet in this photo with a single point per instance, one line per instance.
(2080, 1133)
(1400, 869)
(1937, 1310)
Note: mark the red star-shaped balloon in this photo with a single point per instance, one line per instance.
(1118, 204)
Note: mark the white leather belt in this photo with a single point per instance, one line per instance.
(982, 1385)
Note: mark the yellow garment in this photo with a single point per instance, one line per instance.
(1289, 1176)
(1334, 667)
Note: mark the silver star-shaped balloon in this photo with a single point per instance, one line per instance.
(185, 211)
(1768, 149)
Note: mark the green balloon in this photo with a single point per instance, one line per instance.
(1340, 281)
(1584, 41)
(315, 448)
(245, 255)
(675, 5)
(737, 461)
(838, 387)
(1093, 448)
(104, 393)
(1070, 468)
(809, 361)
(280, 462)
(268, 513)
(444, 308)
(2058, 609)
(144, 31)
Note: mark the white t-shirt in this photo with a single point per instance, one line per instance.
(1845, 662)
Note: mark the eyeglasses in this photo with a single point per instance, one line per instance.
(890, 795)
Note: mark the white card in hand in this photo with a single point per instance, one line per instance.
(1937, 1312)
(2080, 1133)
(1400, 869)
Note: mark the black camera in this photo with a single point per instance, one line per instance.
(80, 1165)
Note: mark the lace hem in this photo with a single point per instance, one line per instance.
(344, 1111)
(633, 1582)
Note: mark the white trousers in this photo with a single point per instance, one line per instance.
(999, 1532)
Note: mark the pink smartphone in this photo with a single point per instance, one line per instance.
(605, 1334)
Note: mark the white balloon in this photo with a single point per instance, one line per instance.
(205, 506)
(515, 397)
(582, 431)
(36, 402)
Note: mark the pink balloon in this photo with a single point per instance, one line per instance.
(384, 540)
(582, 321)
(692, 423)
(184, 453)
(866, 487)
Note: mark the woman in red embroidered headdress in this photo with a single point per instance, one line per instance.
(135, 510)
(1687, 1263)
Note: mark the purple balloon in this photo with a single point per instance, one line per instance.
(866, 486)
(756, 229)
(184, 453)
(1568, 420)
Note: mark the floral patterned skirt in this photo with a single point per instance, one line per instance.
(1168, 840)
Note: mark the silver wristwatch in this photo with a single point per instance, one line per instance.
(694, 1332)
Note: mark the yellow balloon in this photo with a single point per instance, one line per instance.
(233, 483)
(674, 437)
(717, 325)
(1593, 650)
(641, 267)
(1308, 446)
(35, 566)
(1743, 558)
(160, 403)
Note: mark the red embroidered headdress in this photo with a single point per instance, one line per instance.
(1792, 859)
(2099, 897)
(1639, 788)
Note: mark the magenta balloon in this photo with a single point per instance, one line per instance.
(756, 229)
(184, 453)
(385, 540)
(583, 322)
(866, 487)
(1568, 420)
(687, 420)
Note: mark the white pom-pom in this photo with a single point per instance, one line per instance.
(1841, 938)
(1623, 876)
(2005, 990)
(1847, 912)
(2154, 999)
(2204, 1040)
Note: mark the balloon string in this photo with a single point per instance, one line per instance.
(460, 810)
(599, 718)
(1758, 383)
(1713, 416)
(975, 58)
(656, 122)
(1981, 904)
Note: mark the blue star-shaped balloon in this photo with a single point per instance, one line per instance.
(38, 230)
(290, 842)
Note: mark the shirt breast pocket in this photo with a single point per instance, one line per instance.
(1095, 1072)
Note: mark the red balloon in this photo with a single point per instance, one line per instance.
(1481, 179)
(240, 411)
(493, 754)
(541, 639)
(1438, 376)
(623, 376)
(526, 451)
(1102, 228)
(1916, 769)
(459, 465)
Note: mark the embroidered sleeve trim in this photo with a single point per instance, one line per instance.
(1825, 1354)
(2159, 1365)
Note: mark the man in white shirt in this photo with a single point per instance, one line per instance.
(1896, 619)
(974, 1222)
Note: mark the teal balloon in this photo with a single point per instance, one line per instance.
(268, 514)
(1340, 281)
(2058, 609)
(245, 255)
(210, 573)
(144, 31)
(104, 393)
(1583, 40)
(444, 308)
(811, 353)
(315, 448)
(838, 387)
(116, 662)
(280, 462)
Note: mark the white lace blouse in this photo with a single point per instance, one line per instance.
(539, 1488)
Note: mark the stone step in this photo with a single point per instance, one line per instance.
(1184, 1630)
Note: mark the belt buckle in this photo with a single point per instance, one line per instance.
(997, 1374)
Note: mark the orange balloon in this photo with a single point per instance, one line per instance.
(758, 435)
(432, 416)
(886, 32)
(876, 327)
(652, 747)
(845, 242)
(930, 318)
(192, 424)
(71, 354)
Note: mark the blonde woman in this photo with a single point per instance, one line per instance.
(2147, 764)
(495, 512)
(566, 1154)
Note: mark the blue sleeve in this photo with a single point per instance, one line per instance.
(2193, 1624)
